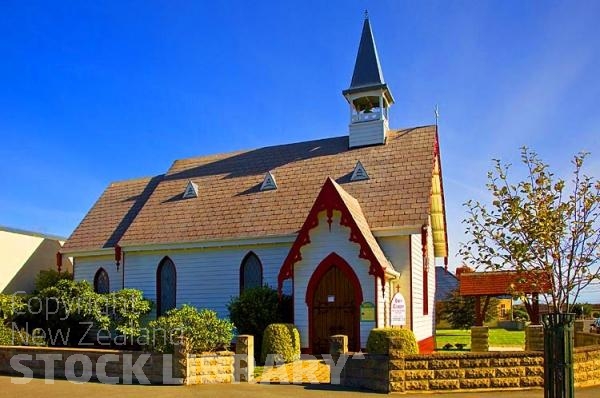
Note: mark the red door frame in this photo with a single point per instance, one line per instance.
(333, 260)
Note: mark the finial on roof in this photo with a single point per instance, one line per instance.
(436, 112)
(366, 14)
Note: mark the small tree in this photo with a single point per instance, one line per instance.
(459, 310)
(540, 227)
(546, 230)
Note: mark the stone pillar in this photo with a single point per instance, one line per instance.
(480, 339)
(534, 338)
(579, 326)
(180, 353)
(338, 345)
(396, 365)
(244, 358)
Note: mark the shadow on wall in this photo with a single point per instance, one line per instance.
(43, 258)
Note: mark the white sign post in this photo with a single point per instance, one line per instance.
(398, 310)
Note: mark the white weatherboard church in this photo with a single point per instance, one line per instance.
(349, 225)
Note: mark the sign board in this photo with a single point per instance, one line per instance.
(367, 312)
(398, 310)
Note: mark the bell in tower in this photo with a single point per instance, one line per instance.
(368, 95)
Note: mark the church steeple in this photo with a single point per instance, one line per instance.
(368, 95)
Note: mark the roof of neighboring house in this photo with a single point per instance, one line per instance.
(445, 283)
(32, 233)
(501, 283)
(230, 204)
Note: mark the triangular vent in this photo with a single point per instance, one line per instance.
(191, 191)
(269, 182)
(359, 173)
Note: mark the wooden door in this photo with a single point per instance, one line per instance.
(334, 311)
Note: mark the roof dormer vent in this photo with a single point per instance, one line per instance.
(191, 191)
(268, 183)
(359, 173)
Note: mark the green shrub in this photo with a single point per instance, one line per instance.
(202, 330)
(49, 278)
(9, 305)
(257, 308)
(64, 311)
(11, 336)
(126, 309)
(378, 343)
(281, 340)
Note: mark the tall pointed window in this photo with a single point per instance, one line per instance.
(250, 272)
(101, 282)
(166, 286)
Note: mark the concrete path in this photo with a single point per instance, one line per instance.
(62, 388)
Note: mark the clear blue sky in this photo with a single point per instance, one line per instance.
(94, 92)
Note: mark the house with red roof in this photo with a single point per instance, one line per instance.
(346, 225)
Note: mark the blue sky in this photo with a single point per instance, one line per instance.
(94, 92)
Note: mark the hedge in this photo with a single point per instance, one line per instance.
(378, 341)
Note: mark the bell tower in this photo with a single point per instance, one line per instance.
(368, 95)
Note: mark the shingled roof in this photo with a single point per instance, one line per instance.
(230, 204)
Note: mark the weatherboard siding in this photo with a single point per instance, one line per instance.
(324, 242)
(206, 278)
(397, 250)
(422, 324)
(86, 267)
(367, 133)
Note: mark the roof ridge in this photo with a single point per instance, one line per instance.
(135, 179)
(240, 151)
(31, 233)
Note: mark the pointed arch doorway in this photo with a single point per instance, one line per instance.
(333, 297)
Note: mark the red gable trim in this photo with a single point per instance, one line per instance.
(329, 199)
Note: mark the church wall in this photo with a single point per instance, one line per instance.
(206, 278)
(85, 268)
(397, 250)
(423, 325)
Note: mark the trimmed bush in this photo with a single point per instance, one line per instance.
(255, 309)
(203, 330)
(281, 340)
(378, 343)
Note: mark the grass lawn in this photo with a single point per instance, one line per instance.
(498, 338)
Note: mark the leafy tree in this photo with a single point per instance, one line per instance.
(520, 314)
(459, 310)
(582, 310)
(542, 227)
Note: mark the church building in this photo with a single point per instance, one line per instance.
(349, 226)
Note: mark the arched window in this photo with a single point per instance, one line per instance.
(166, 286)
(250, 272)
(101, 282)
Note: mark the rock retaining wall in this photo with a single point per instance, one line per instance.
(396, 372)
(117, 367)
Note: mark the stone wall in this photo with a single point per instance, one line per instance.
(460, 371)
(210, 368)
(586, 339)
(466, 371)
(587, 366)
(108, 366)
(367, 371)
(117, 367)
